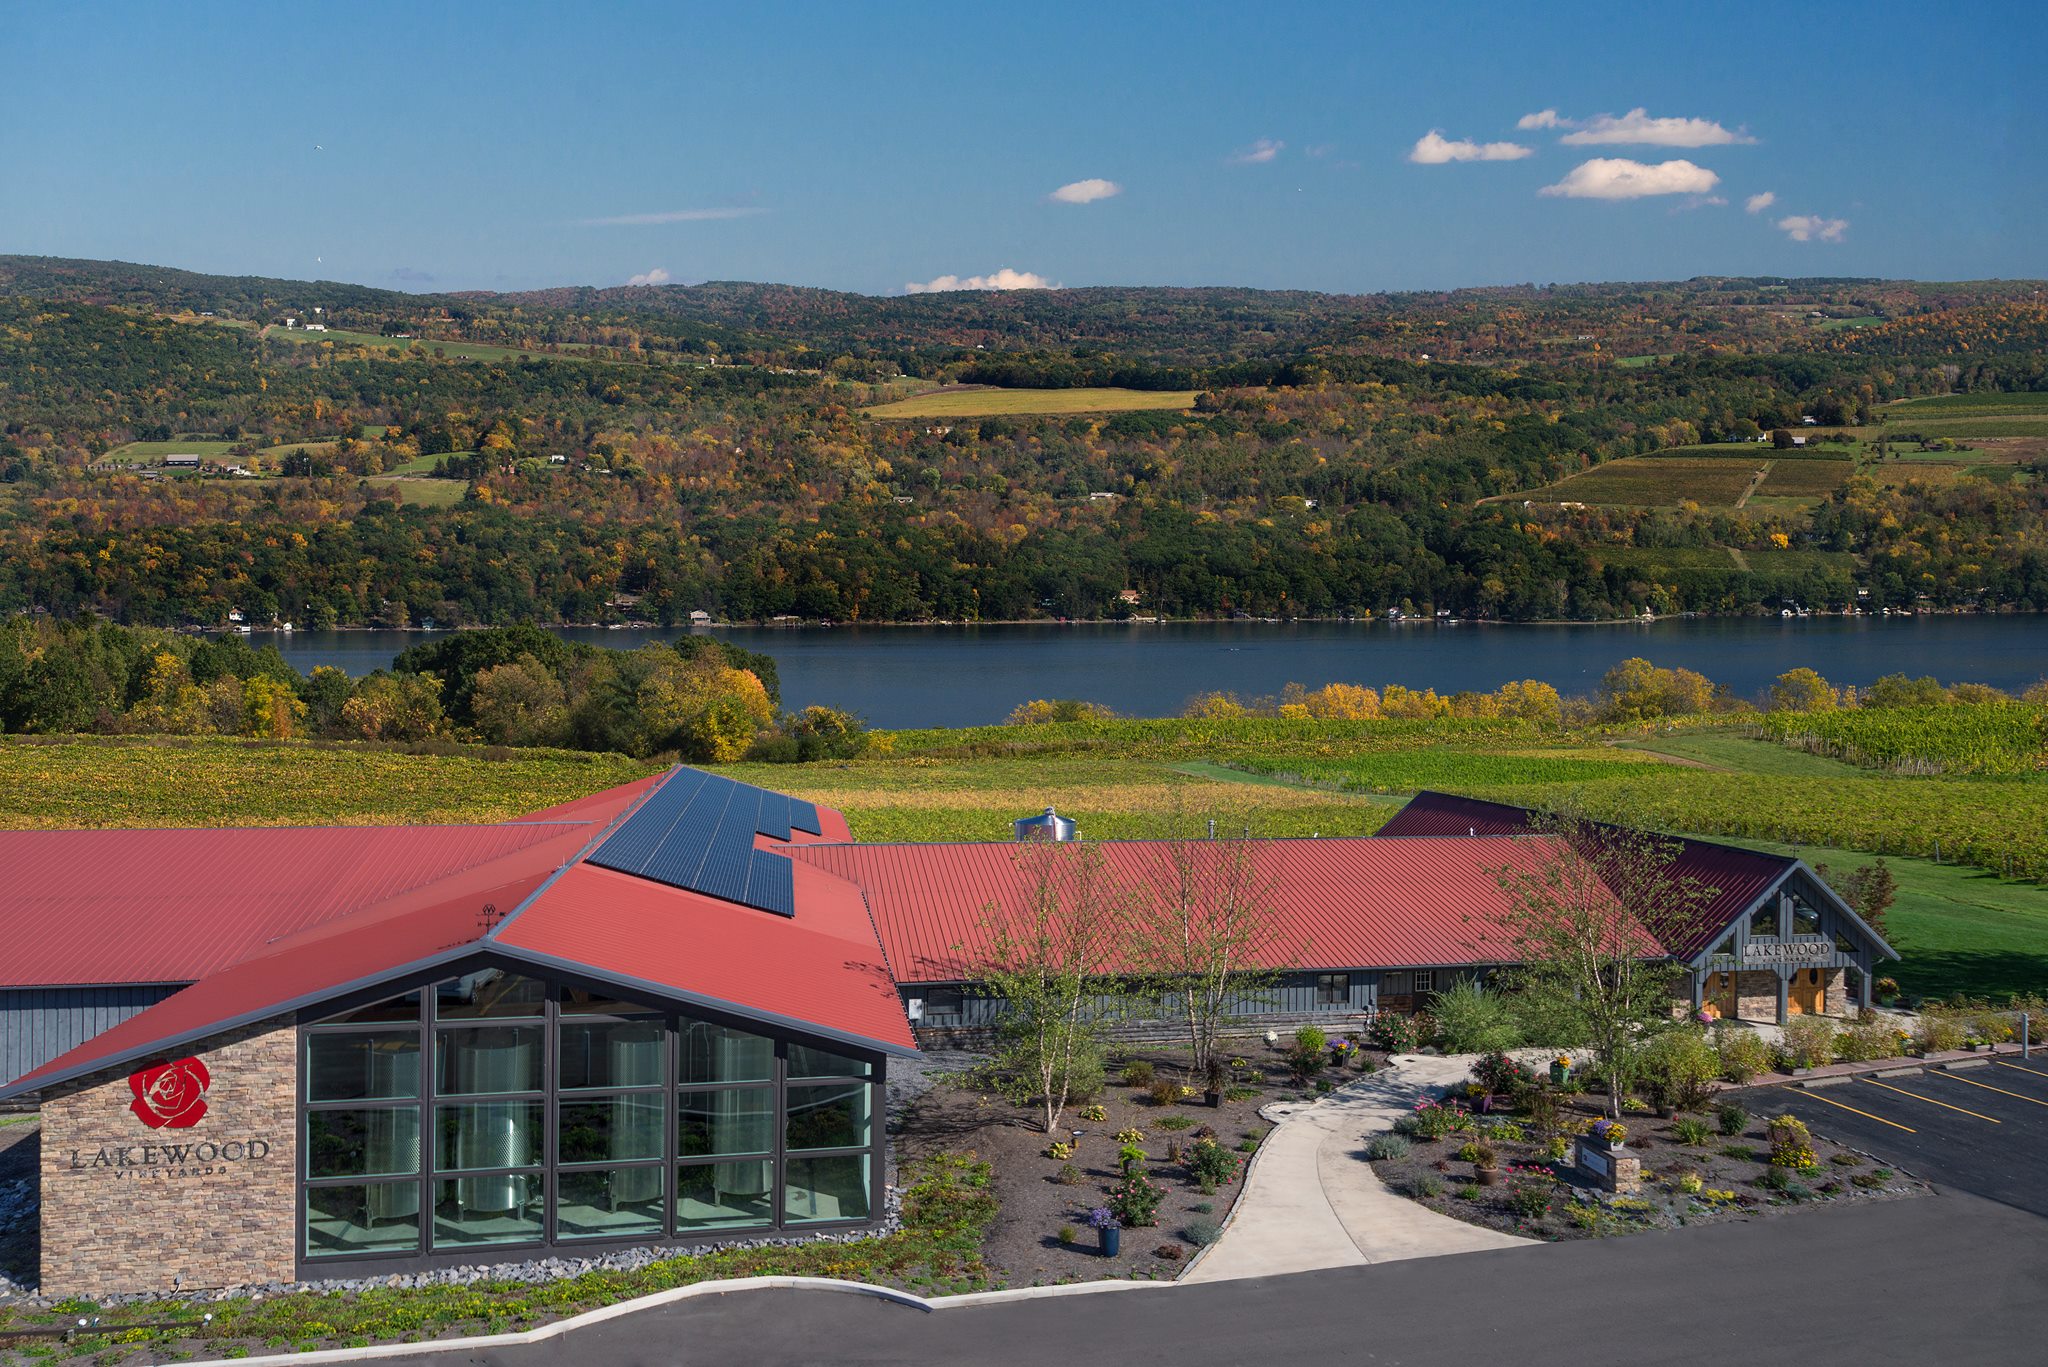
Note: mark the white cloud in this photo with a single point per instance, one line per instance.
(1620, 178)
(1259, 153)
(1637, 126)
(1756, 204)
(1434, 149)
(1004, 279)
(1811, 227)
(657, 276)
(1542, 118)
(670, 216)
(1087, 191)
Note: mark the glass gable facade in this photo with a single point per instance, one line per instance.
(495, 1111)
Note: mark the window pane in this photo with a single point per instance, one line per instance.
(488, 1058)
(613, 1129)
(829, 1117)
(368, 1143)
(489, 992)
(610, 1054)
(1764, 920)
(487, 1134)
(712, 1053)
(487, 1210)
(376, 1217)
(1805, 920)
(820, 1189)
(577, 1001)
(807, 1062)
(376, 1065)
(406, 1008)
(597, 1203)
(724, 1195)
(738, 1121)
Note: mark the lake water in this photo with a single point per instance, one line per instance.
(964, 676)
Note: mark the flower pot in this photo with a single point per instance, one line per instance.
(1560, 1074)
(1214, 1099)
(1488, 1177)
(1110, 1240)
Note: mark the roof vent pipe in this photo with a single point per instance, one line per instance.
(1212, 828)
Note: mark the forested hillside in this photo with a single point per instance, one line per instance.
(637, 454)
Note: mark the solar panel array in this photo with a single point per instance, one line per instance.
(697, 830)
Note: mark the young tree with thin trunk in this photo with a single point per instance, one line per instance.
(1050, 961)
(1590, 913)
(1207, 934)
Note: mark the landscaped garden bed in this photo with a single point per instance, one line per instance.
(1511, 1166)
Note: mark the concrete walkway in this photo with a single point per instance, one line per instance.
(1311, 1200)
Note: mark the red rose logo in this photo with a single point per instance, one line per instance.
(170, 1095)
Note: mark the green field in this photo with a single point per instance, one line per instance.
(410, 347)
(153, 452)
(426, 493)
(1804, 478)
(1970, 405)
(991, 403)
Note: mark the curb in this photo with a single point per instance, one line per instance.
(557, 1328)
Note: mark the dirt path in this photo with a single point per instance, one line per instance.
(1682, 761)
(1754, 484)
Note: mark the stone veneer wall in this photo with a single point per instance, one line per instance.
(127, 1208)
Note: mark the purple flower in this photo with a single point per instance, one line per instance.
(1102, 1217)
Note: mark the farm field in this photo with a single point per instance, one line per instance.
(991, 402)
(1653, 481)
(423, 492)
(412, 348)
(1804, 479)
(151, 452)
(1970, 405)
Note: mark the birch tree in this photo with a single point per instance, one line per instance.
(1592, 914)
(1051, 960)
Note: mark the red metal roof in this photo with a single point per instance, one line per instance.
(1734, 878)
(601, 806)
(821, 970)
(325, 960)
(1340, 903)
(133, 906)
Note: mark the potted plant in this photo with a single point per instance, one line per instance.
(1214, 1078)
(1109, 1231)
(1340, 1052)
(1486, 1164)
(1561, 1070)
(1609, 1134)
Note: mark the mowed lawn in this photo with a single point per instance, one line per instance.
(996, 403)
(153, 452)
(427, 493)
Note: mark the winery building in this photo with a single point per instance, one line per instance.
(661, 1015)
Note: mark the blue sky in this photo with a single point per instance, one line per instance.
(873, 147)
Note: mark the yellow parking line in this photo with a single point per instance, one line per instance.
(2019, 1068)
(1839, 1105)
(1931, 1101)
(2019, 1096)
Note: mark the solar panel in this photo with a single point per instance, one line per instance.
(696, 831)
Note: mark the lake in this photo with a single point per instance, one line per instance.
(965, 676)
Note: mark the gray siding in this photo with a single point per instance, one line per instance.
(39, 1023)
(1293, 994)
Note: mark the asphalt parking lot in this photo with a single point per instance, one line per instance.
(1982, 1130)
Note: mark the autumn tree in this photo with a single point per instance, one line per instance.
(1802, 690)
(519, 703)
(1590, 913)
(1050, 961)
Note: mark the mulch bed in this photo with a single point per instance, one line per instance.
(1541, 1198)
(1024, 1247)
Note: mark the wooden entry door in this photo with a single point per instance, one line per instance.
(1720, 990)
(1809, 993)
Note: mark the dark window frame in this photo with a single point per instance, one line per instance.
(1324, 985)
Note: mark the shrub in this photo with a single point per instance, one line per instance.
(1865, 1038)
(1248, 1144)
(1556, 1148)
(1499, 1073)
(1744, 1054)
(1869, 1181)
(1240, 1094)
(1068, 1175)
(1810, 1040)
(1426, 1186)
(1431, 1120)
(1210, 1164)
(1138, 1073)
(1677, 1066)
(1060, 1149)
(1173, 1122)
(1201, 1232)
(1741, 1153)
(1068, 1234)
(1697, 1133)
(1311, 1039)
(1393, 1032)
(1132, 1135)
(1507, 1132)
(1791, 1144)
(1383, 1147)
(1131, 1157)
(1471, 1020)
(1164, 1091)
(1689, 1182)
(1774, 1179)
(1134, 1200)
(1467, 1191)
(1846, 1160)
(1530, 1198)
(1542, 1109)
(1730, 1119)
(1938, 1034)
